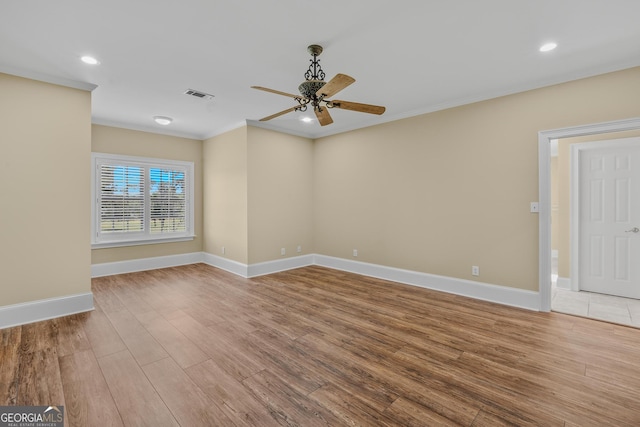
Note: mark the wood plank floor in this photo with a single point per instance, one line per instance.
(196, 346)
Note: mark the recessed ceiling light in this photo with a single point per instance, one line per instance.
(162, 120)
(89, 60)
(548, 47)
(306, 119)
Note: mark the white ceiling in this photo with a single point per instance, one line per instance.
(412, 56)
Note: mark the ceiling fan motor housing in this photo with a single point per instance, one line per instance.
(309, 88)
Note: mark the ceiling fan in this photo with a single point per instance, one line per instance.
(315, 93)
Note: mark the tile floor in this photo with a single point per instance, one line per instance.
(610, 308)
(625, 311)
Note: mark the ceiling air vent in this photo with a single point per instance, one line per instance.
(198, 94)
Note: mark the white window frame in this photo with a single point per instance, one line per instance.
(99, 240)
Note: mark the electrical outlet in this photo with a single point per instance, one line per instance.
(224, 250)
(299, 249)
(283, 251)
(535, 207)
(355, 252)
(475, 270)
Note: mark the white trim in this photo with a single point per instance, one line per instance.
(228, 128)
(144, 264)
(563, 283)
(544, 221)
(483, 291)
(155, 129)
(574, 195)
(122, 243)
(284, 264)
(259, 269)
(46, 78)
(110, 240)
(226, 264)
(544, 189)
(302, 132)
(45, 309)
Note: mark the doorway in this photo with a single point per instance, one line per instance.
(592, 204)
(544, 156)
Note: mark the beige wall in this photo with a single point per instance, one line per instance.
(562, 183)
(441, 192)
(113, 140)
(280, 194)
(257, 195)
(225, 195)
(45, 145)
(555, 204)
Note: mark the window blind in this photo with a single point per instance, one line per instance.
(121, 199)
(168, 202)
(140, 199)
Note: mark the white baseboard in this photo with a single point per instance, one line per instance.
(563, 283)
(284, 264)
(35, 311)
(143, 264)
(478, 290)
(493, 293)
(259, 269)
(226, 264)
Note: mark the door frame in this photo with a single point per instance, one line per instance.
(574, 234)
(544, 192)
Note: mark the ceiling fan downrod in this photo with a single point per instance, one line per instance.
(314, 80)
(315, 70)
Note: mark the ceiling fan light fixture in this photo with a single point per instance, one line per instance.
(309, 88)
(306, 119)
(162, 120)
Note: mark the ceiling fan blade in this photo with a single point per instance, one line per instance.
(356, 106)
(277, 92)
(323, 116)
(335, 85)
(273, 116)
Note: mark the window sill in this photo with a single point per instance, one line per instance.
(121, 243)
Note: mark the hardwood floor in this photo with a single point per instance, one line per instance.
(196, 346)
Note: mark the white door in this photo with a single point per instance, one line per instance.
(609, 218)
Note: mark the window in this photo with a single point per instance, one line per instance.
(140, 200)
